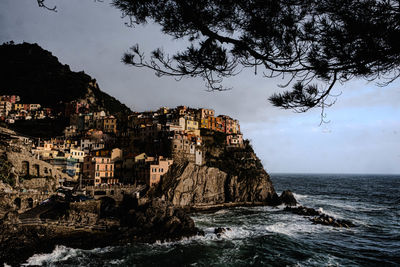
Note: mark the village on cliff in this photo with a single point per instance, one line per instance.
(98, 149)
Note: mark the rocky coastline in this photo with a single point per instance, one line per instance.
(89, 225)
(95, 223)
(41, 220)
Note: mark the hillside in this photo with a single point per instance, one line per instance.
(38, 77)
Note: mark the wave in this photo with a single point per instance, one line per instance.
(323, 260)
(298, 196)
(62, 254)
(59, 254)
(293, 229)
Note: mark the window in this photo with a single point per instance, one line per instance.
(106, 174)
(98, 167)
(106, 167)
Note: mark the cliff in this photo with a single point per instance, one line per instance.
(230, 175)
(38, 77)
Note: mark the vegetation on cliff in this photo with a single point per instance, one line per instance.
(38, 77)
(236, 161)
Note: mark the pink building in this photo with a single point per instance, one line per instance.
(98, 170)
(158, 169)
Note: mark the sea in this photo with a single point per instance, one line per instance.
(269, 236)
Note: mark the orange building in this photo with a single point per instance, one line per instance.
(205, 113)
(216, 124)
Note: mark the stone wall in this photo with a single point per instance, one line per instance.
(20, 201)
(40, 184)
(25, 165)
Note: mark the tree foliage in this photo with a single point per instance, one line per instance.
(307, 41)
(313, 44)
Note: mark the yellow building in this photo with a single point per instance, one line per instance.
(191, 124)
(204, 123)
(18, 107)
(110, 124)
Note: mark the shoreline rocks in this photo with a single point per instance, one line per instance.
(318, 217)
(288, 198)
(88, 225)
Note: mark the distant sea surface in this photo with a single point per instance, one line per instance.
(266, 236)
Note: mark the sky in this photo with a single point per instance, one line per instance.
(362, 136)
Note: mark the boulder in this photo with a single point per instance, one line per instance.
(287, 198)
(220, 230)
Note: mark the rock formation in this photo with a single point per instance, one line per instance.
(319, 218)
(287, 198)
(229, 176)
(89, 225)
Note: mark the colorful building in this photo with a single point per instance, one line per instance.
(110, 124)
(98, 170)
(205, 113)
(158, 169)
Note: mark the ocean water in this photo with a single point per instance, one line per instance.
(267, 236)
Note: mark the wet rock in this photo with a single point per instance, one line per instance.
(329, 220)
(303, 211)
(201, 233)
(287, 198)
(221, 230)
(319, 217)
(172, 224)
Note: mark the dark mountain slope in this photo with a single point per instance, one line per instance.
(38, 77)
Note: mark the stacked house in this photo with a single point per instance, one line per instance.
(139, 151)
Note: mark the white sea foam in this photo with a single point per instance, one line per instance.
(116, 262)
(222, 211)
(294, 226)
(321, 260)
(300, 196)
(347, 204)
(60, 253)
(236, 233)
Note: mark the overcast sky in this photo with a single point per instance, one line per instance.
(363, 135)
